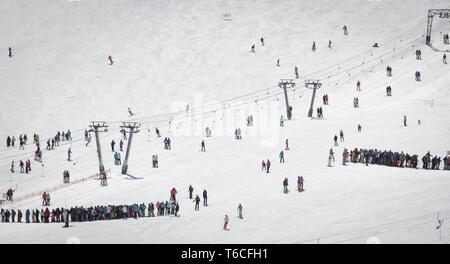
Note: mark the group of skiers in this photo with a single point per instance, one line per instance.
(167, 143)
(10, 142)
(389, 71)
(250, 120)
(300, 181)
(117, 158)
(46, 199)
(265, 165)
(395, 159)
(418, 54)
(388, 90)
(319, 112)
(355, 102)
(113, 144)
(25, 167)
(238, 133)
(325, 99)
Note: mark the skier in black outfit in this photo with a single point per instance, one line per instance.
(10, 52)
(190, 191)
(112, 145)
(203, 146)
(205, 198)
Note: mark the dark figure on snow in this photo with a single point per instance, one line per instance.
(329, 44)
(110, 60)
(314, 46)
(203, 146)
(404, 121)
(191, 189)
(121, 145)
(113, 143)
(253, 48)
(345, 30)
(10, 52)
(359, 128)
(197, 203)
(262, 41)
(444, 59)
(205, 198)
(335, 140)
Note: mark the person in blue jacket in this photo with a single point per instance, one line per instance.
(282, 157)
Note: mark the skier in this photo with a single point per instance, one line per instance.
(21, 166)
(296, 72)
(262, 41)
(12, 166)
(285, 185)
(314, 46)
(345, 30)
(155, 161)
(121, 145)
(197, 203)
(240, 211)
(287, 144)
(129, 112)
(66, 217)
(253, 48)
(10, 52)
(344, 156)
(225, 224)
(263, 166)
(358, 86)
(110, 60)
(341, 136)
(191, 189)
(205, 198)
(173, 193)
(157, 132)
(335, 140)
(329, 44)
(300, 181)
(444, 59)
(268, 165)
(278, 62)
(69, 152)
(203, 146)
(281, 121)
(418, 76)
(112, 145)
(359, 128)
(404, 120)
(281, 157)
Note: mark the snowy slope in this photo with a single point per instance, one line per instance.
(168, 54)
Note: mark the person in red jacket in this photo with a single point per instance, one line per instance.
(287, 144)
(44, 198)
(225, 222)
(46, 215)
(173, 193)
(285, 185)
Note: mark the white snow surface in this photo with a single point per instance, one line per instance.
(171, 53)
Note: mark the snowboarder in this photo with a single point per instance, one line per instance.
(239, 209)
(300, 181)
(285, 185)
(205, 198)
(225, 224)
(110, 60)
(191, 189)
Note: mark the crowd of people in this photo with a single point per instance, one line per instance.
(395, 159)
